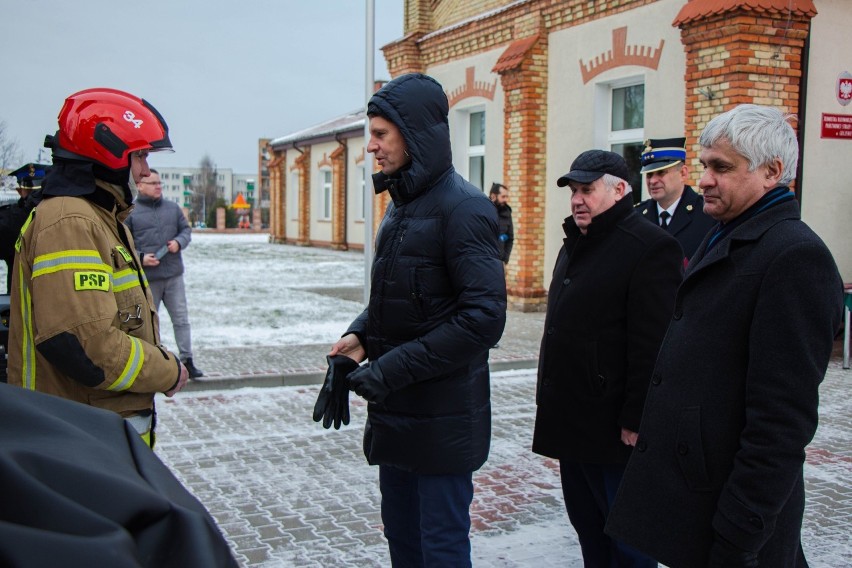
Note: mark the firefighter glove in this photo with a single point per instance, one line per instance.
(368, 382)
(332, 406)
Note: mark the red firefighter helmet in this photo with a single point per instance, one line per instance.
(106, 125)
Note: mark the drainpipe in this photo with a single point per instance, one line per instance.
(369, 85)
(803, 105)
(342, 142)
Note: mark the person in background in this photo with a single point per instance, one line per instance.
(673, 205)
(162, 232)
(13, 216)
(437, 303)
(83, 324)
(608, 305)
(716, 479)
(499, 196)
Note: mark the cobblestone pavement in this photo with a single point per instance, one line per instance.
(286, 492)
(279, 365)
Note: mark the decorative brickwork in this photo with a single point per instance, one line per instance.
(740, 56)
(524, 149)
(403, 56)
(418, 15)
(338, 200)
(702, 9)
(303, 165)
(472, 88)
(622, 54)
(277, 197)
(497, 24)
(737, 51)
(447, 12)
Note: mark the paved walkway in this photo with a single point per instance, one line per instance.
(287, 365)
(286, 492)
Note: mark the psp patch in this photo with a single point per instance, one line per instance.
(91, 281)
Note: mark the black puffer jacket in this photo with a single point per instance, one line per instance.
(438, 298)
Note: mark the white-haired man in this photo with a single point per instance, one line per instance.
(608, 306)
(716, 479)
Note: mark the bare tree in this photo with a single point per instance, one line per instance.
(205, 191)
(10, 153)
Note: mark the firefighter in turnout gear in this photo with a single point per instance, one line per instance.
(83, 325)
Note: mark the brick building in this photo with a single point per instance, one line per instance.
(532, 83)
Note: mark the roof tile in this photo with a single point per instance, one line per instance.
(698, 9)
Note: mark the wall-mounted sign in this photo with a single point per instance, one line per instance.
(844, 88)
(837, 126)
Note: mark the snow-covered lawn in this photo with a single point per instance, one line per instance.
(242, 290)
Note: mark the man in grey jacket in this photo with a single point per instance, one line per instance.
(161, 232)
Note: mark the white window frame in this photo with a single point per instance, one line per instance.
(630, 135)
(464, 151)
(326, 188)
(477, 151)
(605, 136)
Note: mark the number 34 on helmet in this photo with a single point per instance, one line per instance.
(107, 125)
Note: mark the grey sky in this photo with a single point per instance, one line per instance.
(223, 73)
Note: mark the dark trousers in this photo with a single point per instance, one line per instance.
(426, 518)
(589, 490)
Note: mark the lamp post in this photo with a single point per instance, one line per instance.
(370, 81)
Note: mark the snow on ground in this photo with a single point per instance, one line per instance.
(244, 291)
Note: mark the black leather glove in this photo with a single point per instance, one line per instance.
(368, 382)
(332, 406)
(724, 554)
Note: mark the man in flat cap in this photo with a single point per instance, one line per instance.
(609, 303)
(673, 205)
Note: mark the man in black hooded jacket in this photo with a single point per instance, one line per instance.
(437, 303)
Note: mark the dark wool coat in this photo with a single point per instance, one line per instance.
(734, 398)
(689, 224)
(437, 301)
(607, 310)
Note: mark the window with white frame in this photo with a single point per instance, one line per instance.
(627, 128)
(476, 148)
(325, 194)
(294, 196)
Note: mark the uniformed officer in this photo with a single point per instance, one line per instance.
(13, 215)
(674, 205)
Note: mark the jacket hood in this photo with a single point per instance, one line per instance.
(418, 106)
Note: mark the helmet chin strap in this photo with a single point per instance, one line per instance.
(134, 189)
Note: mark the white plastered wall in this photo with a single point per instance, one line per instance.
(827, 163)
(578, 113)
(454, 75)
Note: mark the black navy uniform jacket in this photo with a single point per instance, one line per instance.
(689, 224)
